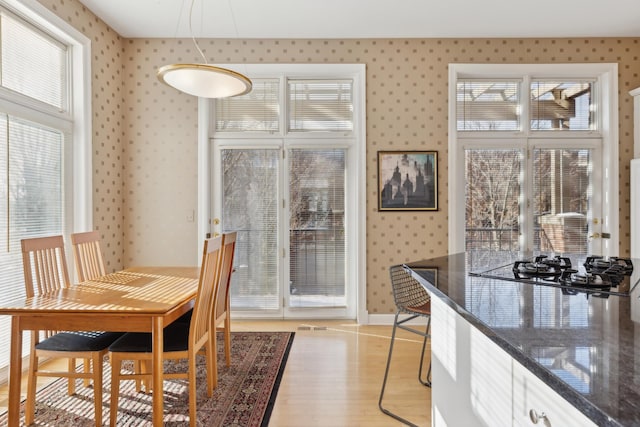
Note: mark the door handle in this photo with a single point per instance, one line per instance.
(215, 221)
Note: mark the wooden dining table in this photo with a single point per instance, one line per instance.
(140, 299)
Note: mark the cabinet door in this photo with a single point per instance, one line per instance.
(530, 393)
(471, 374)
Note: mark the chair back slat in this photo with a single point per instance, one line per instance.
(87, 255)
(207, 283)
(45, 269)
(44, 264)
(407, 291)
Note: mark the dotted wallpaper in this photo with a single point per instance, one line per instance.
(145, 149)
(108, 126)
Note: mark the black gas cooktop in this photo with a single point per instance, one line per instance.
(591, 275)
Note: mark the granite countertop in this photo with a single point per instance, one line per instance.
(586, 348)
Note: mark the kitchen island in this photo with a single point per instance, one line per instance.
(506, 353)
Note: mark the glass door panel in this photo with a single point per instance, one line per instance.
(316, 228)
(492, 189)
(250, 207)
(562, 196)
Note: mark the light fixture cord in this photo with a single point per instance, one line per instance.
(235, 28)
(191, 31)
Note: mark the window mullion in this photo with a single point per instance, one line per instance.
(525, 106)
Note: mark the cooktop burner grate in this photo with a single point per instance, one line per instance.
(594, 275)
(541, 267)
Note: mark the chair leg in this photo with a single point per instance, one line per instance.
(227, 337)
(213, 358)
(386, 375)
(71, 382)
(97, 387)
(137, 368)
(116, 365)
(211, 364)
(87, 369)
(30, 406)
(427, 381)
(192, 390)
(145, 368)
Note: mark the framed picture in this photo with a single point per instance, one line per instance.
(407, 180)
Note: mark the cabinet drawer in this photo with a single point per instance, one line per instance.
(530, 393)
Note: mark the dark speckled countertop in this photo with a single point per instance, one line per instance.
(585, 348)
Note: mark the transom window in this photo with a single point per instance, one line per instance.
(312, 105)
(498, 105)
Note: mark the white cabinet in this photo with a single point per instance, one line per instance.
(476, 383)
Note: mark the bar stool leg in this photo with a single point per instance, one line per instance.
(386, 374)
(427, 381)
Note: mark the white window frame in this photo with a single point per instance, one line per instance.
(75, 122)
(606, 75)
(357, 168)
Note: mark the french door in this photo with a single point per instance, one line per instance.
(288, 205)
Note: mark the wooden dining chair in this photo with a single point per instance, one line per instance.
(181, 340)
(221, 318)
(87, 255)
(221, 315)
(88, 260)
(45, 270)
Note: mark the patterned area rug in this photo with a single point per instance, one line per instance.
(244, 397)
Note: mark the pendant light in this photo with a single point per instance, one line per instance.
(204, 80)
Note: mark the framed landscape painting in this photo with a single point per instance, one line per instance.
(407, 180)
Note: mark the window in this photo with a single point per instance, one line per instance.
(487, 105)
(529, 150)
(41, 142)
(257, 111)
(562, 105)
(320, 105)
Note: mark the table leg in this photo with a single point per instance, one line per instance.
(158, 372)
(15, 372)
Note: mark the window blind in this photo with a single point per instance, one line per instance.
(562, 105)
(257, 111)
(33, 64)
(562, 193)
(31, 187)
(316, 228)
(34, 67)
(483, 105)
(320, 105)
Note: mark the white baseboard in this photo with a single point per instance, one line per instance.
(387, 319)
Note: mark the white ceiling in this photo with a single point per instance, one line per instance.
(301, 19)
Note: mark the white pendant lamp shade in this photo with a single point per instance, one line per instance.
(204, 80)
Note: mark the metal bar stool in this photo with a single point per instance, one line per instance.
(412, 299)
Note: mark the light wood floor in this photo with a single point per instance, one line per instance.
(334, 373)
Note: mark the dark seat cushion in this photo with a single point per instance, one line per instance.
(79, 341)
(176, 338)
